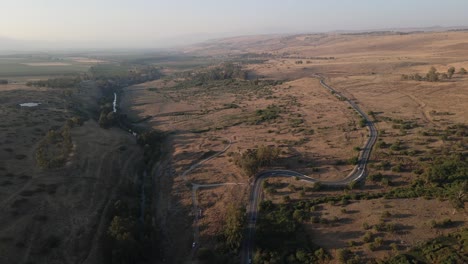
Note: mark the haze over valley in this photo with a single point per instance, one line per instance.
(233, 132)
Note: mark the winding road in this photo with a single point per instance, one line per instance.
(195, 186)
(357, 174)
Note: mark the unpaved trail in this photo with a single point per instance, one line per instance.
(422, 107)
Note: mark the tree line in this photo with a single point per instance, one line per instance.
(433, 75)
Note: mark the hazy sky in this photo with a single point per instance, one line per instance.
(154, 23)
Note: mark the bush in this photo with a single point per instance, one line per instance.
(353, 161)
(342, 254)
(270, 113)
(367, 237)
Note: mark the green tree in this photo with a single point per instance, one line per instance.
(450, 72)
(235, 221)
(462, 71)
(432, 75)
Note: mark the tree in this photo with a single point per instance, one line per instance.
(298, 215)
(432, 75)
(450, 72)
(462, 71)
(417, 77)
(233, 231)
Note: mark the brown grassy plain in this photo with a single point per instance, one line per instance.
(366, 68)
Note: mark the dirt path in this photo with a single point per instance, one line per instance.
(195, 188)
(422, 107)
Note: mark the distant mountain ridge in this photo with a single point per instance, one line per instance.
(8, 44)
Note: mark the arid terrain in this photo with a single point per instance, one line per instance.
(154, 158)
(316, 132)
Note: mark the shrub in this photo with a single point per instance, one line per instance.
(342, 254)
(353, 161)
(367, 237)
(366, 226)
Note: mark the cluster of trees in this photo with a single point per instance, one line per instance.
(110, 83)
(444, 249)
(152, 142)
(226, 71)
(53, 150)
(234, 226)
(2, 81)
(432, 75)
(253, 159)
(445, 170)
(57, 82)
(270, 113)
(276, 237)
(126, 240)
(125, 76)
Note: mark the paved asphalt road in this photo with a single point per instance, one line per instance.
(358, 173)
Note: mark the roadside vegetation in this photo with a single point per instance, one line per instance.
(230, 240)
(280, 237)
(251, 160)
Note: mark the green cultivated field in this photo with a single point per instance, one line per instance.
(18, 66)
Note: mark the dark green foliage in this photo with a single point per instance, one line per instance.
(234, 227)
(353, 161)
(362, 122)
(270, 113)
(227, 71)
(57, 83)
(124, 242)
(462, 71)
(253, 159)
(107, 119)
(280, 238)
(53, 149)
(448, 169)
(375, 177)
(275, 225)
(445, 223)
(444, 249)
(152, 142)
(342, 254)
(397, 146)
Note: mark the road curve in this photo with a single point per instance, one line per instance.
(357, 174)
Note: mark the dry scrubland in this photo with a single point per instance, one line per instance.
(57, 215)
(55, 206)
(309, 142)
(315, 131)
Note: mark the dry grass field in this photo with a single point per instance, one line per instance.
(303, 101)
(59, 214)
(315, 131)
